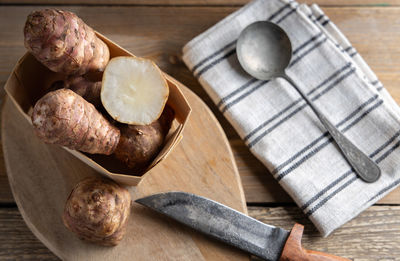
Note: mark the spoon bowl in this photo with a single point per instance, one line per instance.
(264, 50)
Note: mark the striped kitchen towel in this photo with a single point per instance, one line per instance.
(281, 129)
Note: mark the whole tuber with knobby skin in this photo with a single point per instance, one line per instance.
(89, 90)
(64, 43)
(139, 144)
(97, 211)
(63, 117)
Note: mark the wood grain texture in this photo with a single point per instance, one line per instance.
(374, 235)
(202, 164)
(5, 191)
(17, 241)
(293, 249)
(374, 31)
(6, 196)
(201, 2)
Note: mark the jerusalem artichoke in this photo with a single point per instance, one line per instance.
(89, 90)
(134, 90)
(65, 118)
(139, 144)
(97, 210)
(64, 43)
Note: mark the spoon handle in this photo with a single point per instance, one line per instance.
(364, 166)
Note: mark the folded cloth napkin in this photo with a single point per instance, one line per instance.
(282, 130)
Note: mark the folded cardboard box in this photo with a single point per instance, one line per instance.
(30, 80)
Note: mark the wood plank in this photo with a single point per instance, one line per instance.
(201, 2)
(6, 196)
(374, 235)
(141, 35)
(17, 241)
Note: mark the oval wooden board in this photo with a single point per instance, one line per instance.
(41, 177)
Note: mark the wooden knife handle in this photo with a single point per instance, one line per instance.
(294, 252)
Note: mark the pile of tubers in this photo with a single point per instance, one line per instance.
(72, 114)
(123, 115)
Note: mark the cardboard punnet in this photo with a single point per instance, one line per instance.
(30, 80)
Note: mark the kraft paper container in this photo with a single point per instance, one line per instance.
(30, 80)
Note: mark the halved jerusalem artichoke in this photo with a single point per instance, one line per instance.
(134, 90)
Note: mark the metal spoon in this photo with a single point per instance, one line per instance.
(264, 51)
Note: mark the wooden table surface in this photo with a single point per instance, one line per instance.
(158, 29)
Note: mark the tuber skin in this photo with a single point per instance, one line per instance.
(89, 90)
(97, 211)
(64, 43)
(140, 144)
(63, 117)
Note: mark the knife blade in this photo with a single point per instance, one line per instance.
(234, 228)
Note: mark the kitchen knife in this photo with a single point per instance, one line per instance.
(232, 227)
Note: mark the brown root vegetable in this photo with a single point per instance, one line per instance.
(63, 117)
(89, 90)
(140, 144)
(97, 210)
(64, 43)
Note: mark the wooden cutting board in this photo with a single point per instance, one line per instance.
(41, 177)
